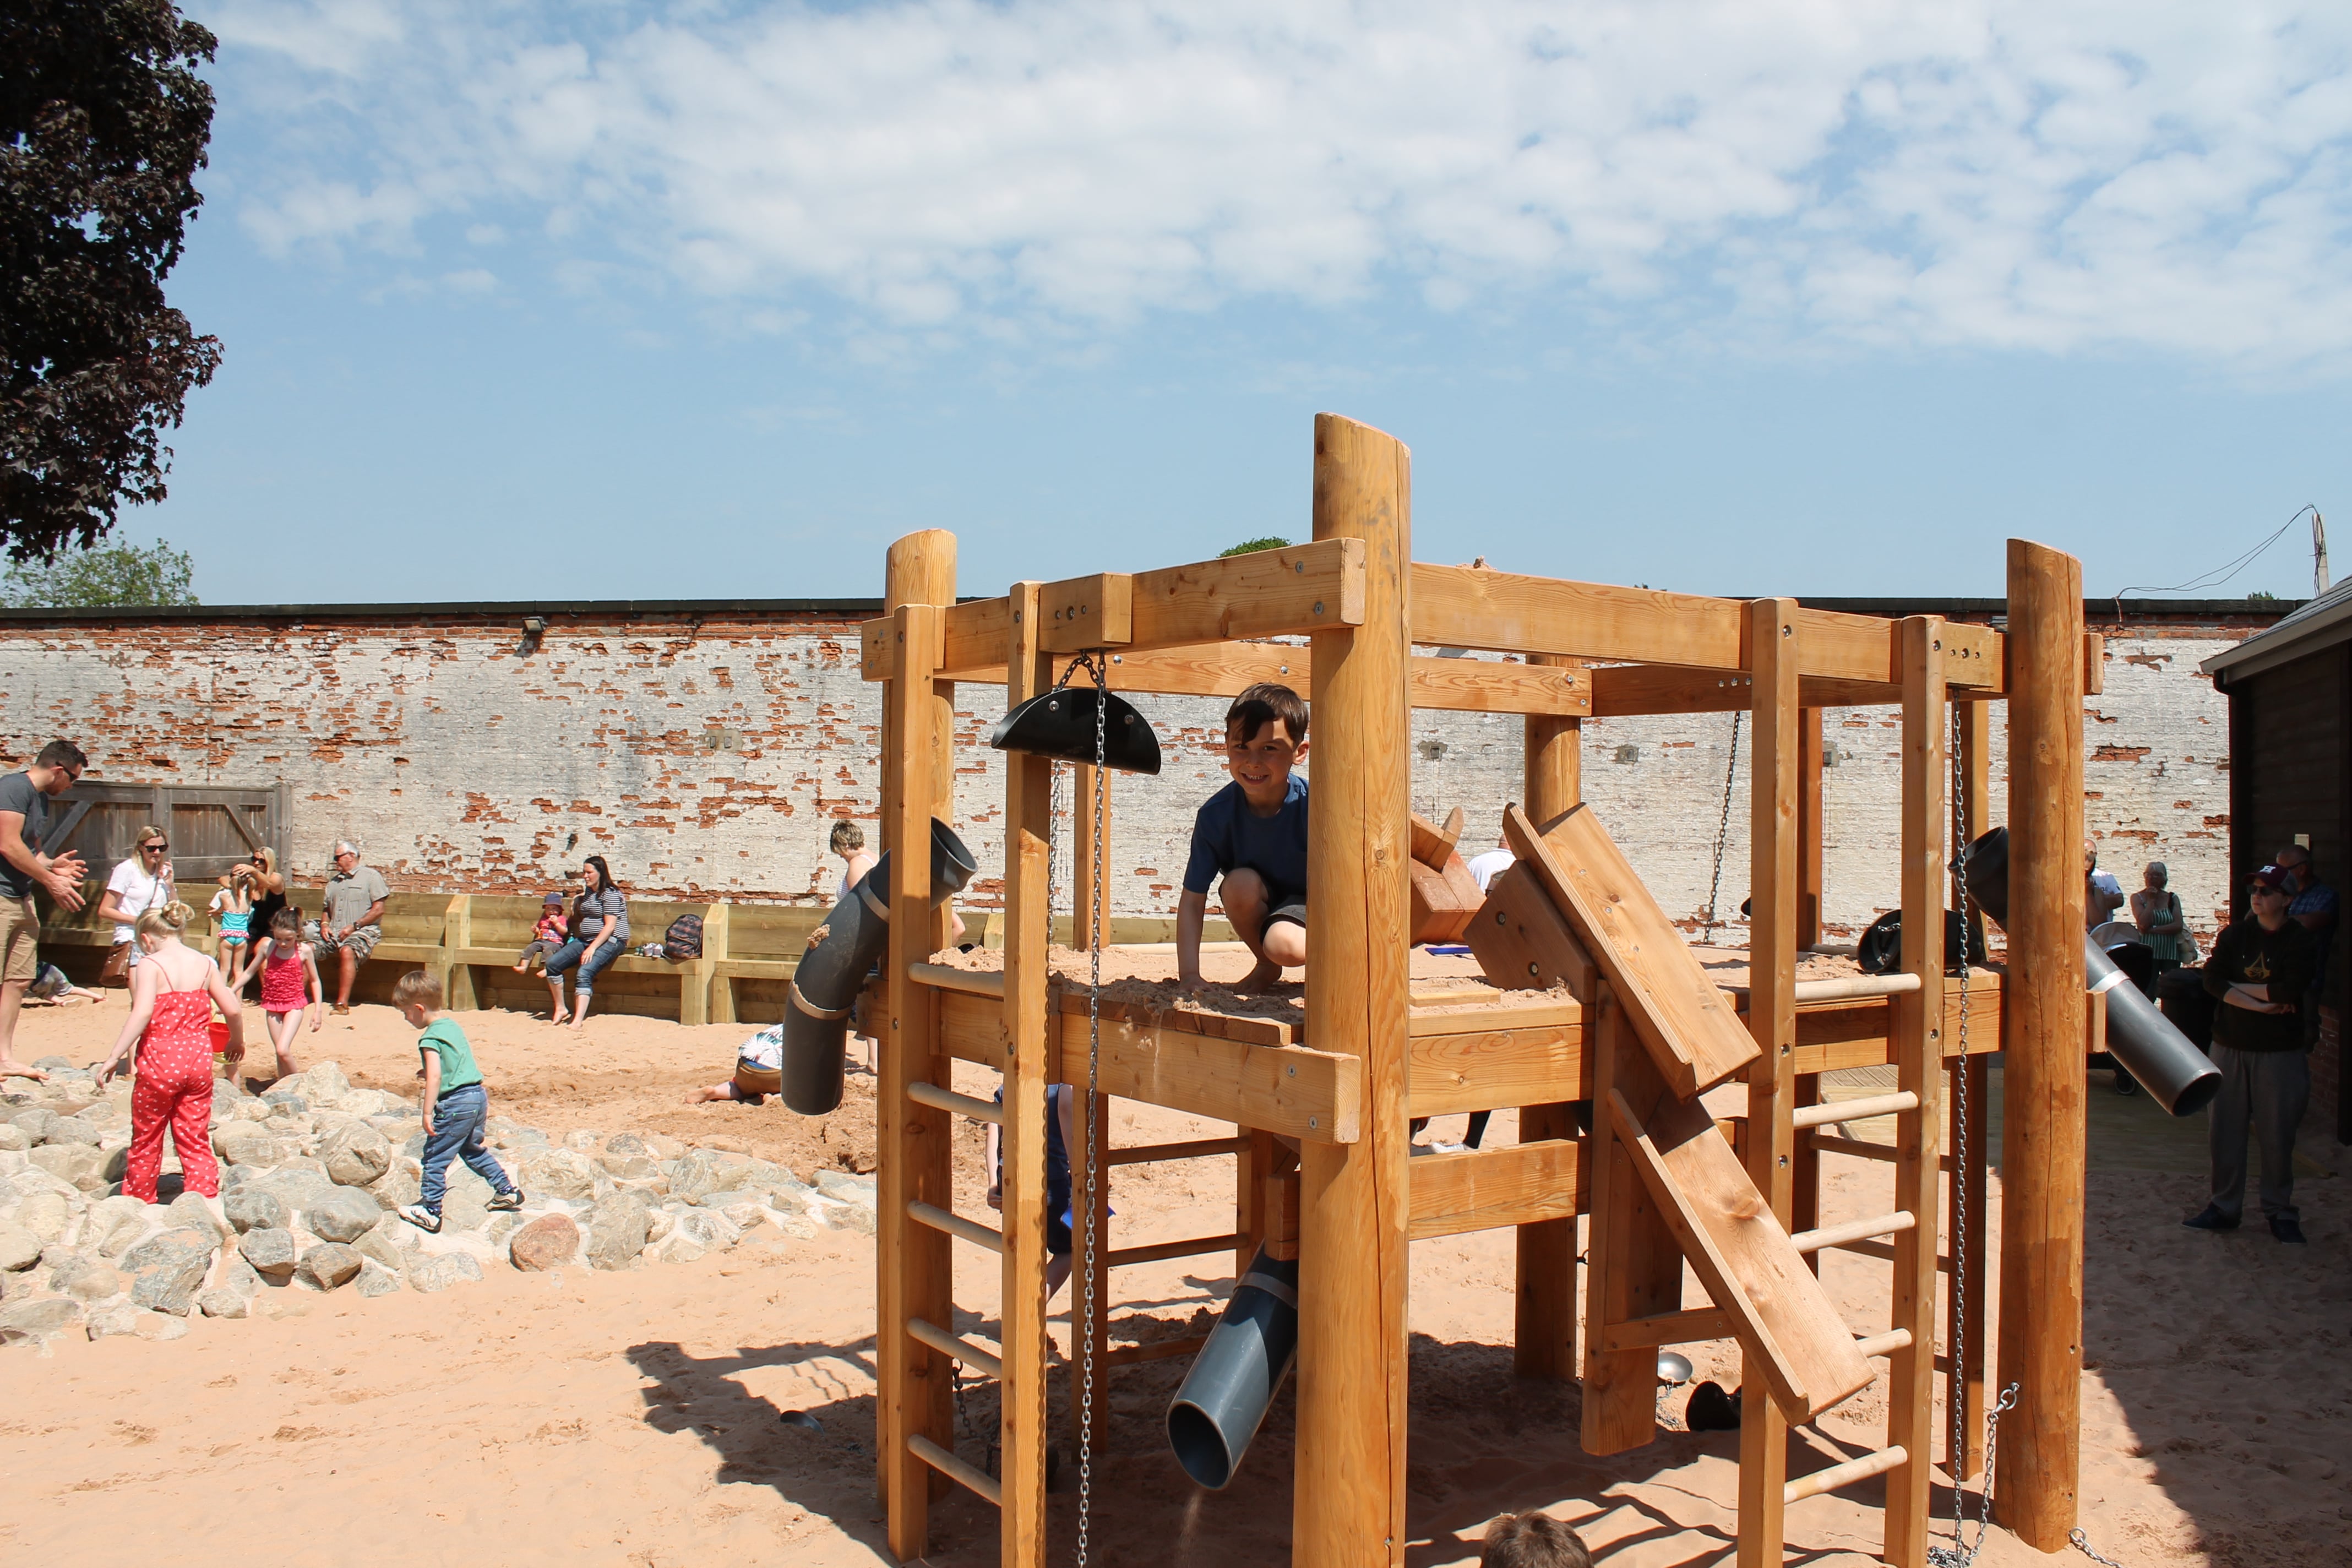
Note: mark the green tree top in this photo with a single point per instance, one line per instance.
(1252, 546)
(114, 575)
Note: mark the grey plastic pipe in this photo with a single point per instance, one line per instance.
(2175, 1074)
(1237, 1372)
(825, 987)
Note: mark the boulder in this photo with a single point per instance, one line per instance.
(167, 1270)
(387, 1242)
(20, 1248)
(834, 1215)
(87, 1276)
(34, 1121)
(616, 1231)
(548, 1242)
(848, 1188)
(126, 1319)
(440, 1273)
(253, 1208)
(14, 1139)
(375, 1279)
(679, 1247)
(345, 1216)
(356, 1154)
(245, 1143)
(583, 1140)
(270, 1250)
(626, 1143)
(39, 1321)
(701, 1170)
(659, 1223)
(298, 1187)
(71, 1130)
(283, 1102)
(397, 1187)
(713, 1229)
(328, 1265)
(559, 1174)
(83, 1164)
(628, 1167)
(218, 1302)
(53, 1065)
(189, 1211)
(325, 1084)
(45, 1214)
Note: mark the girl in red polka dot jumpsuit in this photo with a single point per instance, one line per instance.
(173, 994)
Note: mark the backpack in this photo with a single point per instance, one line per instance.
(683, 939)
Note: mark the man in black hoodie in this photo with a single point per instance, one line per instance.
(2262, 971)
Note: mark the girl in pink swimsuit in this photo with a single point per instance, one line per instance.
(173, 994)
(289, 984)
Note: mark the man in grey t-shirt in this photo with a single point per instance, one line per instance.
(24, 819)
(353, 903)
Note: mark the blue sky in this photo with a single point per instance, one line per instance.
(607, 300)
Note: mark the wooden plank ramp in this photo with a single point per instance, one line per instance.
(1684, 1020)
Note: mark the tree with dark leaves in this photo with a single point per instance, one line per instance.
(103, 123)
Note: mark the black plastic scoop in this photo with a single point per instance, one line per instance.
(1060, 723)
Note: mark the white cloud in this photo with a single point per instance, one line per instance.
(2035, 175)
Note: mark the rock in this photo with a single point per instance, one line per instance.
(253, 1208)
(629, 1167)
(325, 1084)
(190, 1212)
(297, 1187)
(250, 1110)
(120, 1234)
(270, 1250)
(88, 1277)
(20, 1248)
(346, 1217)
(583, 1140)
(245, 1143)
(129, 1319)
(559, 1174)
(375, 1279)
(285, 1102)
(438, 1273)
(218, 1302)
(701, 1170)
(662, 1147)
(397, 1187)
(45, 1215)
(616, 1232)
(659, 1223)
(679, 1248)
(167, 1270)
(713, 1229)
(14, 1139)
(846, 1187)
(328, 1265)
(81, 1163)
(548, 1242)
(71, 1130)
(356, 1154)
(34, 1121)
(724, 1145)
(388, 1243)
(39, 1321)
(834, 1215)
(625, 1143)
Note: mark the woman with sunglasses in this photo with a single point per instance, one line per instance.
(140, 883)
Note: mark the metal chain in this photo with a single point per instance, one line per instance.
(1957, 1455)
(1953, 1556)
(2082, 1543)
(1723, 828)
(1092, 893)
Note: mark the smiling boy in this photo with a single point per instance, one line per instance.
(1253, 833)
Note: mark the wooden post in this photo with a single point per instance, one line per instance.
(1544, 1334)
(1251, 1168)
(1028, 920)
(456, 933)
(1348, 1494)
(1809, 828)
(2043, 1112)
(920, 569)
(1971, 1134)
(1634, 1265)
(1772, 888)
(716, 950)
(1917, 1039)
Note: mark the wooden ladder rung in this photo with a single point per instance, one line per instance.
(1887, 1343)
(1159, 1251)
(949, 1345)
(955, 1225)
(1198, 1149)
(1159, 1350)
(971, 1476)
(1845, 1474)
(1853, 1230)
(1830, 1110)
(1864, 1151)
(939, 1098)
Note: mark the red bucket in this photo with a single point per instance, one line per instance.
(219, 1032)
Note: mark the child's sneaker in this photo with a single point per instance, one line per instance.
(420, 1216)
(506, 1202)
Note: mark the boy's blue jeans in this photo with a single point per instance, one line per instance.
(457, 1119)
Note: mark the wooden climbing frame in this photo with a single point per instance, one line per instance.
(1659, 1178)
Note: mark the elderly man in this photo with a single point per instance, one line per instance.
(347, 925)
(24, 799)
(2314, 910)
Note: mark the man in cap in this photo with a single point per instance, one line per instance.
(2261, 973)
(352, 904)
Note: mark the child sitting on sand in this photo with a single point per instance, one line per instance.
(552, 931)
(1533, 1541)
(759, 1071)
(455, 1104)
(51, 987)
(1253, 832)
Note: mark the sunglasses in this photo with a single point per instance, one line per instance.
(154, 848)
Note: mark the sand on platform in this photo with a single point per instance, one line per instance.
(633, 1418)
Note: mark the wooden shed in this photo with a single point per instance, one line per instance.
(2290, 692)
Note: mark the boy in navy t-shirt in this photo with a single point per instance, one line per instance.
(1253, 832)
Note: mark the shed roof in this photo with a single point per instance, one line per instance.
(2316, 624)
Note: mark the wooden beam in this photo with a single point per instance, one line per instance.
(1809, 828)
(1488, 1070)
(1543, 1329)
(1518, 1185)
(1349, 1496)
(1634, 1268)
(1919, 1017)
(1523, 942)
(1083, 613)
(1674, 1004)
(2043, 1172)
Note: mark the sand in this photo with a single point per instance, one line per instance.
(633, 1418)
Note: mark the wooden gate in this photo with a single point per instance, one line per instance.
(211, 827)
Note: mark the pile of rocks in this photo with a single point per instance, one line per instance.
(313, 1169)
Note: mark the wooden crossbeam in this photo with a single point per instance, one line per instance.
(1484, 1189)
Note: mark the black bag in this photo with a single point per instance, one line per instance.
(1880, 951)
(683, 939)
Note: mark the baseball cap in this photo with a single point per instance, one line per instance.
(555, 899)
(2272, 876)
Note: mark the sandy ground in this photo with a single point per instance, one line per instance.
(633, 1418)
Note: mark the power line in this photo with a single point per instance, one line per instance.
(2218, 574)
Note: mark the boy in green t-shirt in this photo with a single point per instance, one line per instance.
(454, 1103)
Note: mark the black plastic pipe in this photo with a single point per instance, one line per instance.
(2175, 1074)
(825, 987)
(1237, 1372)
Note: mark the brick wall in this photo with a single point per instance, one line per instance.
(706, 753)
